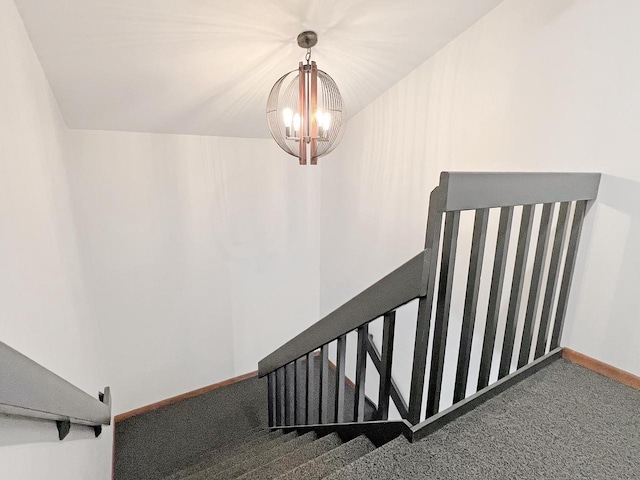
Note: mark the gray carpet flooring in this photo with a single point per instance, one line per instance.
(563, 422)
(151, 445)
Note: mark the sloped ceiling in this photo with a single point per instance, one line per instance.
(206, 66)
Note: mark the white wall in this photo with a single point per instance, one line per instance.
(201, 255)
(44, 311)
(536, 85)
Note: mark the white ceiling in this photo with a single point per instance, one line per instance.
(206, 66)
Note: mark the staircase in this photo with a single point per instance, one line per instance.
(544, 427)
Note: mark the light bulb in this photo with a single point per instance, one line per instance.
(319, 122)
(326, 121)
(296, 122)
(287, 116)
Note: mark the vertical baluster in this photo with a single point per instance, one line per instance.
(297, 411)
(288, 404)
(447, 267)
(287, 408)
(279, 397)
(471, 302)
(388, 329)
(376, 359)
(340, 378)
(310, 387)
(522, 252)
(569, 265)
(552, 279)
(361, 370)
(324, 385)
(423, 326)
(536, 280)
(495, 295)
(271, 394)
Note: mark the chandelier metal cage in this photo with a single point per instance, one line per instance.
(305, 111)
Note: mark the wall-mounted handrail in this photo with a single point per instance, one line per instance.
(28, 389)
(561, 199)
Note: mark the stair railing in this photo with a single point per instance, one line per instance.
(428, 277)
(28, 389)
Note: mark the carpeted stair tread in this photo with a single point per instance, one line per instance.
(220, 454)
(224, 452)
(294, 459)
(257, 460)
(384, 459)
(331, 461)
(246, 455)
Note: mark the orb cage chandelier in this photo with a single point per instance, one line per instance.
(305, 111)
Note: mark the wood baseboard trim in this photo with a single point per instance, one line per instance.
(621, 376)
(184, 396)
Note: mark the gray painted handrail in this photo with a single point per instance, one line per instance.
(30, 390)
(476, 190)
(397, 288)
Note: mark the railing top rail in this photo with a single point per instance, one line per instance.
(29, 389)
(475, 190)
(397, 288)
